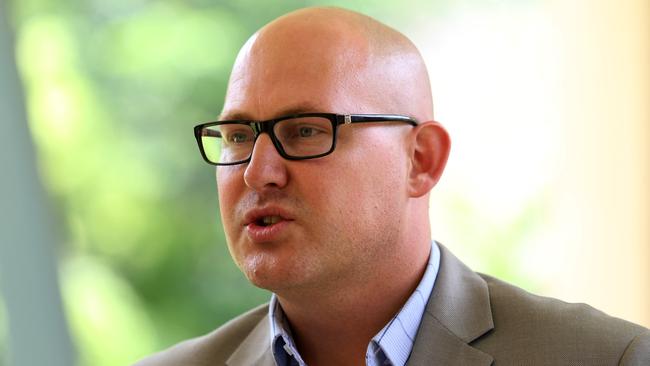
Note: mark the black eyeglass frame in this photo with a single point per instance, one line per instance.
(266, 126)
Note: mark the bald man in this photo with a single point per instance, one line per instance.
(326, 151)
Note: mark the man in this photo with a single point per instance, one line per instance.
(326, 152)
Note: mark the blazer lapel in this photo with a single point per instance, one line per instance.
(458, 312)
(255, 350)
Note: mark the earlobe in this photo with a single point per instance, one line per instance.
(428, 154)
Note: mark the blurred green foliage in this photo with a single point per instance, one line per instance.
(113, 90)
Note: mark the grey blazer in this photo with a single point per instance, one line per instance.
(470, 319)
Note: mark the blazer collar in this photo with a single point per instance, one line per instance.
(255, 350)
(458, 312)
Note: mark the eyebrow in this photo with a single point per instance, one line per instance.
(304, 107)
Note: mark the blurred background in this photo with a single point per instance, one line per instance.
(111, 245)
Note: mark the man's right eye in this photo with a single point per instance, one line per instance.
(237, 137)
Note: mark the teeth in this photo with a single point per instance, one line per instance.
(270, 220)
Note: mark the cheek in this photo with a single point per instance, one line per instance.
(368, 187)
(230, 183)
(377, 168)
(373, 191)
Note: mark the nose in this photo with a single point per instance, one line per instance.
(266, 169)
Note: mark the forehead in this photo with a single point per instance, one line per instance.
(297, 67)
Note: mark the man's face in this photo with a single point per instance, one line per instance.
(332, 217)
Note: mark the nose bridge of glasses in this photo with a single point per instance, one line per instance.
(260, 127)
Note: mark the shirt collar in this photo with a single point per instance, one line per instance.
(397, 337)
(284, 349)
(393, 343)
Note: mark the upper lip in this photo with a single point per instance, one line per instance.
(256, 214)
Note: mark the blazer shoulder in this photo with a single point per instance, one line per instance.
(526, 324)
(213, 348)
(638, 352)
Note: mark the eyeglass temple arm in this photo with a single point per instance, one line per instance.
(367, 118)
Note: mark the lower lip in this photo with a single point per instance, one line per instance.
(264, 234)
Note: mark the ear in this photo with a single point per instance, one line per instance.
(429, 152)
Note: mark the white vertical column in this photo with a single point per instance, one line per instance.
(604, 180)
(37, 329)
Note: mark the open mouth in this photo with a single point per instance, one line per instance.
(265, 227)
(268, 220)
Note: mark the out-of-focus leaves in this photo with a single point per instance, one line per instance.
(109, 321)
(496, 247)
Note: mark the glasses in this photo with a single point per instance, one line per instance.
(295, 137)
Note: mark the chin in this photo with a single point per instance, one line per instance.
(266, 273)
(269, 283)
(279, 282)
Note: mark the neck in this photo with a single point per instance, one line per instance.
(334, 324)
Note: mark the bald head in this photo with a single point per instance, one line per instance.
(341, 61)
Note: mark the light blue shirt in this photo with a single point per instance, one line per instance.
(390, 347)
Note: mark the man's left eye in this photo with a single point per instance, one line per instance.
(307, 131)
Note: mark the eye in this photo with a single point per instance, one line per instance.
(238, 138)
(236, 135)
(301, 130)
(307, 131)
